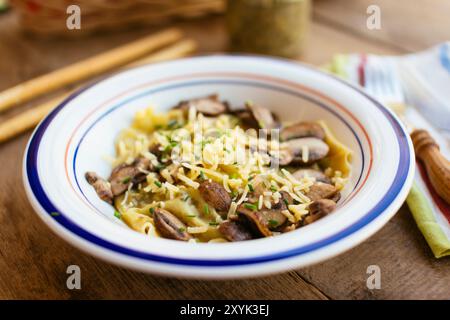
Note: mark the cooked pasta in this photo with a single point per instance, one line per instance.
(203, 172)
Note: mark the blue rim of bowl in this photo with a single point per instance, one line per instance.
(394, 190)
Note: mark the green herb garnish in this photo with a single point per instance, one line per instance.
(250, 187)
(286, 202)
(54, 214)
(202, 175)
(191, 216)
(273, 223)
(250, 206)
(126, 180)
(214, 223)
(186, 198)
(117, 214)
(152, 210)
(158, 184)
(172, 124)
(273, 189)
(206, 209)
(182, 229)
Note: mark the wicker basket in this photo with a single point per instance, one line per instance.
(49, 16)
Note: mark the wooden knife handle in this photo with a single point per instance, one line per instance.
(437, 166)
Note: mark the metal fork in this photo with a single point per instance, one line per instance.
(382, 80)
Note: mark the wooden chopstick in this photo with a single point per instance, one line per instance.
(30, 118)
(86, 68)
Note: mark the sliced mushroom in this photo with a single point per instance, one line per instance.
(101, 186)
(169, 226)
(265, 221)
(216, 196)
(247, 119)
(312, 173)
(234, 231)
(209, 106)
(283, 157)
(320, 190)
(336, 197)
(264, 117)
(302, 130)
(124, 174)
(318, 209)
(316, 149)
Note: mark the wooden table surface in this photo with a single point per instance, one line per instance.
(33, 260)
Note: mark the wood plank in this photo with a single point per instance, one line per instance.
(406, 25)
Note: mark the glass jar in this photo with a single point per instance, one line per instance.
(272, 27)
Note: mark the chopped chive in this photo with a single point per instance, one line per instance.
(234, 175)
(170, 146)
(273, 189)
(186, 198)
(191, 215)
(214, 223)
(152, 210)
(250, 206)
(54, 214)
(159, 166)
(234, 194)
(250, 178)
(172, 124)
(202, 175)
(158, 184)
(273, 223)
(206, 209)
(286, 202)
(181, 229)
(126, 180)
(250, 187)
(117, 214)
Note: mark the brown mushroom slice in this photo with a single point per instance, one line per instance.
(316, 149)
(247, 119)
(209, 106)
(264, 221)
(336, 197)
(234, 231)
(169, 226)
(124, 174)
(302, 130)
(101, 186)
(320, 190)
(283, 157)
(264, 117)
(319, 209)
(216, 196)
(312, 173)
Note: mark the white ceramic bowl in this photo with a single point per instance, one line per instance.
(77, 135)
